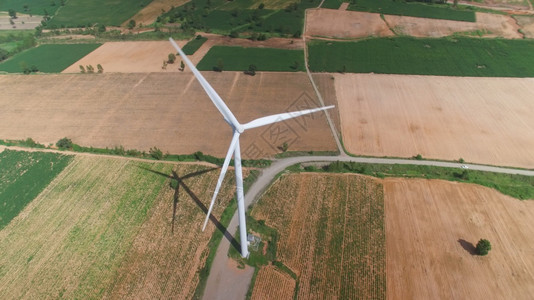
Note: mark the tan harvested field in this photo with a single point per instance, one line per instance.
(353, 24)
(482, 120)
(111, 228)
(131, 57)
(431, 230)
(169, 250)
(344, 24)
(166, 110)
(331, 233)
(152, 11)
(272, 283)
(527, 25)
(492, 25)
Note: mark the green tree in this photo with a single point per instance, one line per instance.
(234, 34)
(251, 70)
(3, 54)
(182, 66)
(64, 143)
(156, 153)
(219, 67)
(172, 58)
(101, 28)
(12, 13)
(100, 68)
(131, 24)
(483, 247)
(82, 69)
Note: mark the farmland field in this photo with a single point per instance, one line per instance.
(149, 14)
(129, 57)
(405, 55)
(432, 227)
(387, 115)
(111, 228)
(331, 230)
(48, 58)
(24, 175)
(271, 283)
(169, 111)
(35, 7)
(193, 45)
(414, 9)
(239, 59)
(353, 24)
(81, 12)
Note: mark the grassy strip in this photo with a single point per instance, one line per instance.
(454, 56)
(305, 153)
(24, 175)
(192, 46)
(434, 11)
(239, 59)
(48, 58)
(82, 12)
(215, 240)
(154, 153)
(517, 186)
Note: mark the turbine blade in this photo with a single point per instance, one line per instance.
(215, 98)
(281, 117)
(233, 144)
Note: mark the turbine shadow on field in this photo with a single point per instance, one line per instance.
(181, 183)
(468, 246)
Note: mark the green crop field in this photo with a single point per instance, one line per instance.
(413, 9)
(23, 176)
(317, 217)
(192, 46)
(333, 4)
(52, 58)
(83, 12)
(35, 7)
(404, 55)
(276, 18)
(265, 59)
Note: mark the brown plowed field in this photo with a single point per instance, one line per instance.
(482, 120)
(431, 230)
(272, 283)
(495, 26)
(354, 24)
(344, 24)
(167, 110)
(527, 25)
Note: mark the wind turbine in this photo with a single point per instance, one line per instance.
(234, 148)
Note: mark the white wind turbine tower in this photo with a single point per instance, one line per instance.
(234, 149)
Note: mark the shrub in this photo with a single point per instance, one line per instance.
(418, 157)
(64, 143)
(156, 153)
(483, 247)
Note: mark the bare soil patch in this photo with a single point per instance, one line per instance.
(130, 57)
(22, 22)
(491, 25)
(166, 110)
(501, 4)
(482, 120)
(527, 25)
(150, 13)
(431, 229)
(344, 24)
